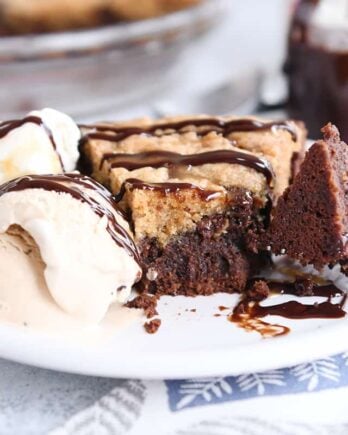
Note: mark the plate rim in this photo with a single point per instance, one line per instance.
(301, 347)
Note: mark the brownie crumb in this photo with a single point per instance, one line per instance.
(223, 308)
(146, 302)
(152, 326)
(257, 290)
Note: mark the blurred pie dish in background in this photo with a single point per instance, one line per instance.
(38, 16)
(87, 57)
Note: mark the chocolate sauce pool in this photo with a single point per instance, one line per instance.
(249, 312)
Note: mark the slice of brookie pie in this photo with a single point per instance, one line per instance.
(198, 192)
(310, 222)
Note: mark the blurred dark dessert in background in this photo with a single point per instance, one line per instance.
(317, 64)
(39, 16)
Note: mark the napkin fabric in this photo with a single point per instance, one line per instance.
(305, 399)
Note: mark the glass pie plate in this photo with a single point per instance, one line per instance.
(88, 72)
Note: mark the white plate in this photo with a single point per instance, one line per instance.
(188, 344)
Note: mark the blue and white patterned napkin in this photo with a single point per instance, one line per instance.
(305, 399)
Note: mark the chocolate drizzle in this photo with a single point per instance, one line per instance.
(207, 125)
(7, 126)
(245, 317)
(74, 185)
(249, 311)
(157, 159)
(165, 188)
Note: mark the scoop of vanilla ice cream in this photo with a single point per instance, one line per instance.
(49, 146)
(86, 270)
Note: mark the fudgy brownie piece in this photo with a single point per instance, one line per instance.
(36, 16)
(310, 222)
(198, 192)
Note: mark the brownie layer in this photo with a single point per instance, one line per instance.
(218, 256)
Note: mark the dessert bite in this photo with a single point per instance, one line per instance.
(43, 142)
(198, 192)
(310, 221)
(87, 250)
